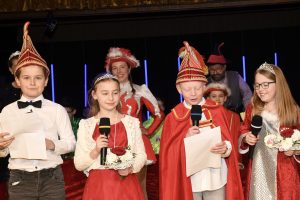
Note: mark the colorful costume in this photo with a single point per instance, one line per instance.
(155, 137)
(132, 102)
(271, 174)
(106, 183)
(132, 105)
(173, 181)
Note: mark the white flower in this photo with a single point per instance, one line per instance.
(296, 135)
(286, 144)
(116, 162)
(283, 144)
(269, 140)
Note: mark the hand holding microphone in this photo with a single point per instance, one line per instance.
(104, 129)
(196, 114)
(256, 125)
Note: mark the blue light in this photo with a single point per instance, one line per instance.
(244, 67)
(85, 86)
(146, 80)
(146, 72)
(52, 82)
(275, 59)
(178, 64)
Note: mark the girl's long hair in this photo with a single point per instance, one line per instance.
(287, 108)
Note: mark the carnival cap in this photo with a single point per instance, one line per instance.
(217, 87)
(192, 67)
(217, 58)
(116, 54)
(29, 55)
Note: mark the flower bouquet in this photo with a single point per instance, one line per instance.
(283, 142)
(119, 158)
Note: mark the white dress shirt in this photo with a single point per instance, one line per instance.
(57, 127)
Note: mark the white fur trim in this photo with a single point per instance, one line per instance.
(229, 149)
(242, 151)
(219, 86)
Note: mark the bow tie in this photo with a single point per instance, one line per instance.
(37, 104)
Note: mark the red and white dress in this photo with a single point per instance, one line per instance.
(104, 183)
(133, 105)
(271, 174)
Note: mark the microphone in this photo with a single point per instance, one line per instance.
(256, 125)
(196, 114)
(104, 129)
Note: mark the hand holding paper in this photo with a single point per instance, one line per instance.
(219, 148)
(198, 151)
(28, 133)
(5, 140)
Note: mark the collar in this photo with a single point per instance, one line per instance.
(188, 106)
(23, 98)
(125, 87)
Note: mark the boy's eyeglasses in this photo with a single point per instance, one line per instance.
(264, 85)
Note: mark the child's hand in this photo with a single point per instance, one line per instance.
(5, 140)
(101, 142)
(192, 131)
(251, 139)
(125, 172)
(144, 131)
(49, 144)
(219, 148)
(289, 153)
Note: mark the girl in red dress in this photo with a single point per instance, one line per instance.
(273, 171)
(106, 182)
(120, 62)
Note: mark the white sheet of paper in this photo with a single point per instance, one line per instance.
(29, 146)
(197, 151)
(20, 123)
(28, 130)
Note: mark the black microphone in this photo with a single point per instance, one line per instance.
(256, 125)
(196, 114)
(104, 129)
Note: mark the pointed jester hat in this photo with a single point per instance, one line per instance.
(29, 55)
(192, 67)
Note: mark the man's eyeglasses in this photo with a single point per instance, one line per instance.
(264, 85)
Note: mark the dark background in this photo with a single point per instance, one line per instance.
(83, 37)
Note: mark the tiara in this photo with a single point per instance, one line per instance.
(16, 53)
(268, 67)
(105, 76)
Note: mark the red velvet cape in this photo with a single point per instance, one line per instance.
(174, 185)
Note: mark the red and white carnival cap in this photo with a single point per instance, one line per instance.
(192, 67)
(116, 54)
(217, 87)
(29, 55)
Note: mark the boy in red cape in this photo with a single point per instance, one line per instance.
(209, 183)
